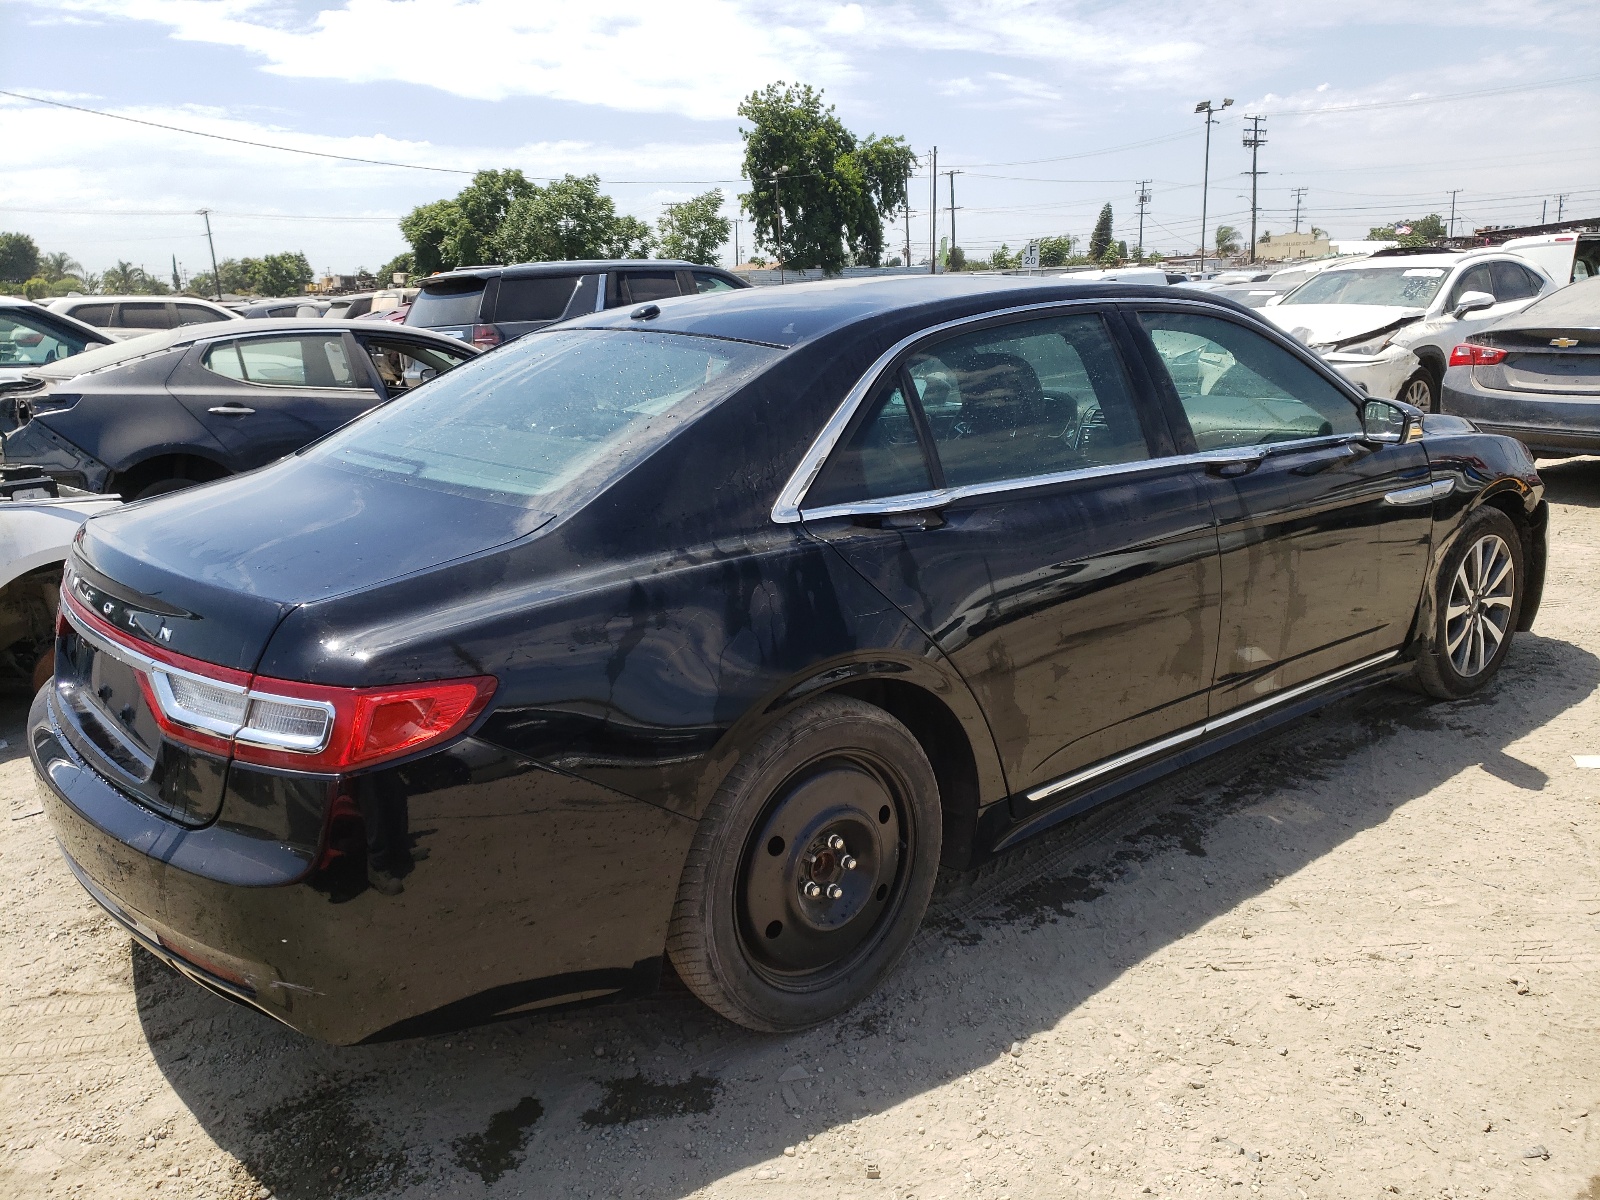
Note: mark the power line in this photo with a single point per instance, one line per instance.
(1368, 105)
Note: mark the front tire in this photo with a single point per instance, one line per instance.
(811, 869)
(1420, 391)
(1477, 596)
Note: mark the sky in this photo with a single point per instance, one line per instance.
(1049, 108)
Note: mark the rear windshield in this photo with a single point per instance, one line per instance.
(452, 304)
(1397, 287)
(549, 414)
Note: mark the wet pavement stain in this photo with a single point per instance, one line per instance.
(498, 1149)
(315, 1145)
(1047, 900)
(635, 1098)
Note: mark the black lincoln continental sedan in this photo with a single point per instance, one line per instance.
(709, 629)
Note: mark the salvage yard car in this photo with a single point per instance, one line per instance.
(173, 409)
(1389, 321)
(1535, 376)
(490, 305)
(31, 336)
(134, 316)
(710, 630)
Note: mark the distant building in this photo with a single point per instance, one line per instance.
(1281, 247)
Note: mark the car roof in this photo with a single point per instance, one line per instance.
(789, 316)
(567, 267)
(122, 299)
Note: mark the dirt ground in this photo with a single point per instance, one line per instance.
(1356, 959)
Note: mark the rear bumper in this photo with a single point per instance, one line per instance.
(479, 886)
(1556, 424)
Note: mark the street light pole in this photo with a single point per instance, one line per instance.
(216, 279)
(1205, 182)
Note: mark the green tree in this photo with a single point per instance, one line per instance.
(125, 279)
(1056, 251)
(463, 231)
(569, 219)
(818, 194)
(1421, 232)
(695, 229)
(1227, 241)
(956, 259)
(59, 265)
(401, 264)
(1003, 260)
(1100, 239)
(19, 257)
(283, 274)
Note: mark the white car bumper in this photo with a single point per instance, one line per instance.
(1383, 374)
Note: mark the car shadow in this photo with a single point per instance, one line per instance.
(658, 1097)
(1573, 481)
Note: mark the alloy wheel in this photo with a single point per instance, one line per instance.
(821, 873)
(1478, 615)
(1419, 394)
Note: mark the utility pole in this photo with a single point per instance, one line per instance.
(1299, 195)
(1453, 195)
(216, 279)
(1205, 180)
(1254, 138)
(908, 212)
(933, 213)
(1544, 211)
(736, 241)
(1144, 202)
(777, 192)
(1561, 205)
(952, 174)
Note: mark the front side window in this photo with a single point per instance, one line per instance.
(1239, 388)
(311, 360)
(25, 340)
(1476, 279)
(144, 315)
(404, 365)
(550, 413)
(1394, 287)
(705, 282)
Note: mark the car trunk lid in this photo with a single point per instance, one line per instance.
(1551, 361)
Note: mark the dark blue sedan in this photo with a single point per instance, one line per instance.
(708, 629)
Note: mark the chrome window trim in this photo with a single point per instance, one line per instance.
(1094, 771)
(939, 497)
(788, 508)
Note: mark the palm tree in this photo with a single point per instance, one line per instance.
(1227, 241)
(59, 265)
(124, 279)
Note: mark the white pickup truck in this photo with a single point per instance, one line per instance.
(38, 519)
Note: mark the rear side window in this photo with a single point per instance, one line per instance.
(705, 282)
(536, 297)
(1238, 388)
(142, 315)
(98, 315)
(195, 314)
(453, 304)
(884, 457)
(650, 285)
(314, 360)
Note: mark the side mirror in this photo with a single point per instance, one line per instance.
(1274, 301)
(1390, 422)
(1470, 302)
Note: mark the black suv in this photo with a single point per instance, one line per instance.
(490, 305)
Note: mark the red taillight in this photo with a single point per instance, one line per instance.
(486, 337)
(1467, 354)
(283, 723)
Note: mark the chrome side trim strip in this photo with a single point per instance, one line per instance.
(937, 498)
(1423, 493)
(1129, 757)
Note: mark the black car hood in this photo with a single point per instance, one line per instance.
(222, 564)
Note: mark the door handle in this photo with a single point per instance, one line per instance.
(231, 410)
(1232, 468)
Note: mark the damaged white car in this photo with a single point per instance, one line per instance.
(1388, 322)
(38, 520)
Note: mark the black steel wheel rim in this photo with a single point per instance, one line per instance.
(822, 872)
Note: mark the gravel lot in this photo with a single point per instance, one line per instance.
(1357, 959)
